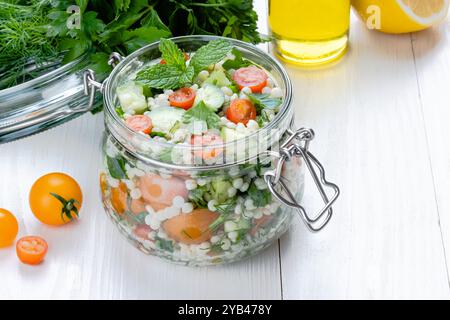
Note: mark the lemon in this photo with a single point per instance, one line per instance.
(401, 16)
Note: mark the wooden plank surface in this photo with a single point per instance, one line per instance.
(385, 240)
(432, 56)
(380, 116)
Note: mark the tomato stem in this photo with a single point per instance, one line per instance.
(68, 206)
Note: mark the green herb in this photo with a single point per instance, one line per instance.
(41, 30)
(244, 226)
(137, 218)
(120, 112)
(206, 174)
(196, 197)
(171, 54)
(158, 134)
(25, 50)
(201, 112)
(225, 209)
(174, 73)
(260, 198)
(116, 167)
(210, 54)
(237, 62)
(256, 167)
(262, 119)
(234, 87)
(264, 101)
(166, 155)
(216, 248)
(175, 127)
(164, 245)
(161, 76)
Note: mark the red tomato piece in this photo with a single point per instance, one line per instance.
(207, 141)
(241, 111)
(140, 123)
(259, 223)
(182, 98)
(252, 77)
(141, 231)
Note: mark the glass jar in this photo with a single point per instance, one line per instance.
(170, 204)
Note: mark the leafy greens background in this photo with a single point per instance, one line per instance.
(125, 25)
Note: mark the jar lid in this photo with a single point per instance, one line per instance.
(54, 97)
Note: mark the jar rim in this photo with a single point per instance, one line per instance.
(45, 76)
(109, 89)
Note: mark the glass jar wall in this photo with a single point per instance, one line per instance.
(194, 217)
(192, 213)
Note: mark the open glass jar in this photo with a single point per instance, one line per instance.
(172, 202)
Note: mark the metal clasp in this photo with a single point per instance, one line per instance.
(91, 85)
(297, 145)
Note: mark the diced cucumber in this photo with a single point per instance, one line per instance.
(165, 118)
(218, 78)
(211, 95)
(229, 135)
(131, 97)
(220, 189)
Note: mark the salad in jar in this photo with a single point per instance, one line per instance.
(198, 101)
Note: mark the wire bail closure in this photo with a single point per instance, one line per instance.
(297, 145)
(91, 85)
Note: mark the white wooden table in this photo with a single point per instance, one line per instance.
(381, 118)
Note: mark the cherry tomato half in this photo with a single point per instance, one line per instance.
(118, 198)
(252, 77)
(186, 58)
(182, 98)
(8, 228)
(207, 141)
(31, 249)
(241, 111)
(141, 231)
(259, 223)
(140, 123)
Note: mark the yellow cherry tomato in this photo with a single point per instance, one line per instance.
(8, 228)
(55, 199)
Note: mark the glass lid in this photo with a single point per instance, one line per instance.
(43, 102)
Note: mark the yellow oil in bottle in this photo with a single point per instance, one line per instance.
(310, 32)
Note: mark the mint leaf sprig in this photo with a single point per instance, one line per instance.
(175, 73)
(210, 54)
(201, 112)
(160, 76)
(237, 62)
(171, 54)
